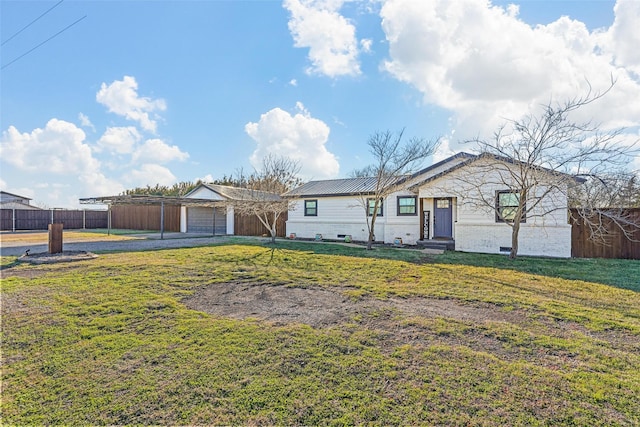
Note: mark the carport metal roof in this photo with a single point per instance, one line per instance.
(148, 200)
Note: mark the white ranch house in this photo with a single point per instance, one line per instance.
(432, 207)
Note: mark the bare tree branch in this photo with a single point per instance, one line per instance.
(394, 163)
(263, 189)
(540, 159)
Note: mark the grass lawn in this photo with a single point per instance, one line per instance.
(32, 237)
(111, 341)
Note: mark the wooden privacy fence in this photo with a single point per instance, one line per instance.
(145, 217)
(617, 245)
(250, 225)
(33, 219)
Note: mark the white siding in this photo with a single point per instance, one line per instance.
(339, 216)
(336, 216)
(546, 231)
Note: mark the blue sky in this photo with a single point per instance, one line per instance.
(146, 92)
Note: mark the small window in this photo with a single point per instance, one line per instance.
(372, 205)
(443, 203)
(310, 208)
(507, 203)
(407, 205)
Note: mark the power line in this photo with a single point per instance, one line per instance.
(31, 23)
(34, 48)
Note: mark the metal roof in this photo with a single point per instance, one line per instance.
(334, 187)
(364, 186)
(236, 193)
(147, 200)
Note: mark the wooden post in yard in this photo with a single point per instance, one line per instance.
(55, 238)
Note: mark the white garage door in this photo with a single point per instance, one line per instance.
(203, 220)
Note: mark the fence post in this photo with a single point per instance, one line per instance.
(84, 219)
(13, 219)
(51, 216)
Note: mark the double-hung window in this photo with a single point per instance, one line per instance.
(507, 203)
(407, 205)
(310, 208)
(371, 203)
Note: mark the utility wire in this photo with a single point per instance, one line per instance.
(34, 48)
(31, 23)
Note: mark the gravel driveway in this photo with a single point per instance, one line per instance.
(137, 243)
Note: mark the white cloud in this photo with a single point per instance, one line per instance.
(157, 151)
(121, 140)
(121, 97)
(293, 82)
(484, 64)
(330, 37)
(365, 45)
(56, 155)
(85, 122)
(623, 38)
(299, 137)
(150, 174)
(58, 148)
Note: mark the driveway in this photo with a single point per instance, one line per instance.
(136, 242)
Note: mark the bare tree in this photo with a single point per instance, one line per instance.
(262, 190)
(535, 162)
(394, 163)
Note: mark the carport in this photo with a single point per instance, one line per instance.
(210, 224)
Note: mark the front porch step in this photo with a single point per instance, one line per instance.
(445, 245)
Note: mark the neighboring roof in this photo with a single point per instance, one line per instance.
(236, 193)
(359, 186)
(14, 195)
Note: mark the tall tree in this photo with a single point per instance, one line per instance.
(263, 189)
(176, 190)
(537, 161)
(394, 161)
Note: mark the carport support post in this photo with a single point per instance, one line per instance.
(162, 220)
(214, 220)
(109, 220)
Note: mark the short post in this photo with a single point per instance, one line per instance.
(55, 238)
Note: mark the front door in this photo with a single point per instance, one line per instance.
(443, 218)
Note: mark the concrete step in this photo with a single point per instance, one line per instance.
(447, 245)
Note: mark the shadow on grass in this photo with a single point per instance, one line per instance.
(621, 273)
(10, 264)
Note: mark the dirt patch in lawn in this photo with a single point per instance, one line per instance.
(397, 321)
(322, 307)
(66, 256)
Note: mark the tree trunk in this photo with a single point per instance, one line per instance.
(372, 235)
(515, 230)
